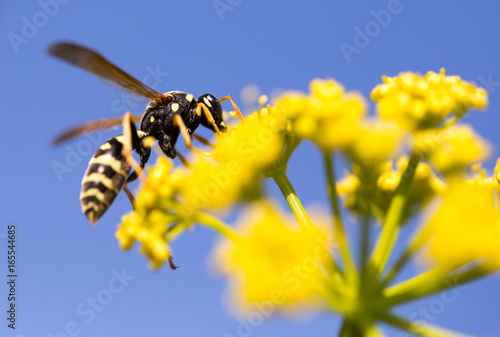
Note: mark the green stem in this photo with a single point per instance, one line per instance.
(303, 219)
(373, 331)
(292, 142)
(345, 329)
(292, 199)
(415, 243)
(430, 279)
(173, 233)
(393, 218)
(419, 329)
(364, 241)
(340, 234)
(217, 225)
(431, 282)
(398, 266)
(350, 329)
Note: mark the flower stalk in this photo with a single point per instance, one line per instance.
(339, 231)
(390, 228)
(292, 199)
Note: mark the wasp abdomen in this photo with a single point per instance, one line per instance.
(107, 172)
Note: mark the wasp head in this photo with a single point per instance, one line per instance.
(215, 109)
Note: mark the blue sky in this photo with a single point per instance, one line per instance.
(196, 46)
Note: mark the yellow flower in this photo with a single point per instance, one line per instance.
(419, 102)
(457, 148)
(274, 261)
(371, 191)
(155, 208)
(328, 115)
(375, 141)
(349, 188)
(479, 178)
(240, 157)
(497, 171)
(465, 227)
(426, 185)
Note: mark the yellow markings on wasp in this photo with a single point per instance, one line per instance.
(105, 146)
(148, 141)
(94, 192)
(112, 162)
(151, 119)
(189, 97)
(207, 102)
(175, 107)
(100, 178)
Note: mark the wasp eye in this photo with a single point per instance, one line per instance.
(213, 105)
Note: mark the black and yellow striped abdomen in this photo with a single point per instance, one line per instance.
(107, 172)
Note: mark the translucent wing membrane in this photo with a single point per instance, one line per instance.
(96, 64)
(91, 126)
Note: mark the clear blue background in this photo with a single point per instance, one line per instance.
(62, 260)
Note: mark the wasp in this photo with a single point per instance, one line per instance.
(166, 117)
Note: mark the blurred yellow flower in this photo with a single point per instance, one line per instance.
(274, 261)
(371, 192)
(457, 148)
(328, 115)
(465, 227)
(419, 102)
(481, 179)
(240, 157)
(155, 208)
(497, 171)
(376, 141)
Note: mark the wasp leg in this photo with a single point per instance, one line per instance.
(183, 160)
(203, 140)
(202, 107)
(131, 139)
(171, 263)
(132, 177)
(236, 109)
(129, 195)
(131, 142)
(185, 134)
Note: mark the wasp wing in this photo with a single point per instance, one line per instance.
(100, 124)
(95, 63)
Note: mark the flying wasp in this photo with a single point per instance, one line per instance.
(166, 117)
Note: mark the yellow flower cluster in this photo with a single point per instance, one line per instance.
(419, 102)
(466, 227)
(457, 148)
(240, 157)
(328, 116)
(371, 192)
(375, 142)
(479, 177)
(169, 201)
(155, 208)
(273, 261)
